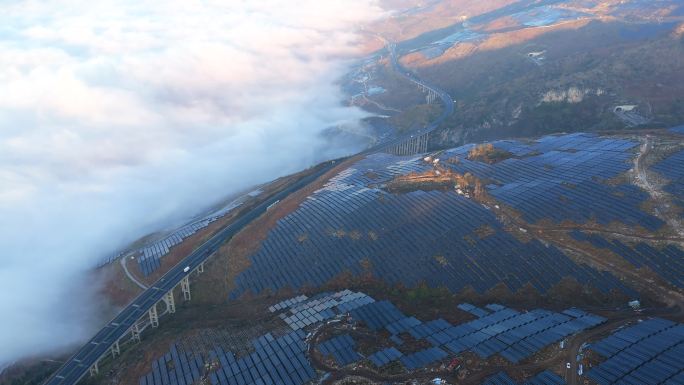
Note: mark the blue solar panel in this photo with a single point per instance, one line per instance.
(650, 352)
(501, 378)
(474, 310)
(678, 130)
(384, 356)
(672, 168)
(402, 325)
(668, 261)
(378, 315)
(546, 378)
(274, 360)
(423, 358)
(351, 221)
(341, 348)
(560, 183)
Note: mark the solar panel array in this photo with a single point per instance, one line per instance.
(512, 334)
(558, 178)
(650, 352)
(149, 261)
(678, 130)
(377, 315)
(349, 222)
(287, 303)
(472, 309)
(273, 360)
(397, 340)
(668, 261)
(341, 348)
(423, 358)
(174, 367)
(283, 359)
(384, 356)
(672, 168)
(322, 307)
(544, 378)
(500, 378)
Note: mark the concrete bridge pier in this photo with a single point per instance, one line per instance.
(423, 143)
(94, 370)
(185, 287)
(169, 300)
(135, 332)
(116, 350)
(200, 268)
(411, 146)
(154, 317)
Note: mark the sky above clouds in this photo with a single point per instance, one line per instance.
(120, 117)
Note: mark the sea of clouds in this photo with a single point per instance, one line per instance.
(120, 117)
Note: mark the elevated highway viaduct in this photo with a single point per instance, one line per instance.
(144, 312)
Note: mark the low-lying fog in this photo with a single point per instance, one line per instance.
(119, 117)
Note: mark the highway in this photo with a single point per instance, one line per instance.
(447, 101)
(78, 365)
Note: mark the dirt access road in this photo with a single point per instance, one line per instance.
(643, 178)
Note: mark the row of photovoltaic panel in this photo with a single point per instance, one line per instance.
(283, 359)
(378, 314)
(515, 336)
(384, 356)
(576, 203)
(423, 358)
(346, 222)
(273, 360)
(668, 261)
(672, 168)
(287, 303)
(148, 265)
(341, 348)
(512, 334)
(174, 368)
(559, 183)
(149, 261)
(544, 378)
(323, 307)
(500, 378)
(474, 310)
(650, 352)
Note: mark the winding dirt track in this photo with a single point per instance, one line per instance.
(130, 276)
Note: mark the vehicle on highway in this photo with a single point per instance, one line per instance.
(187, 268)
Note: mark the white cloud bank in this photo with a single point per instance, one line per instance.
(117, 117)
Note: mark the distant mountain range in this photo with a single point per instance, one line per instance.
(521, 68)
